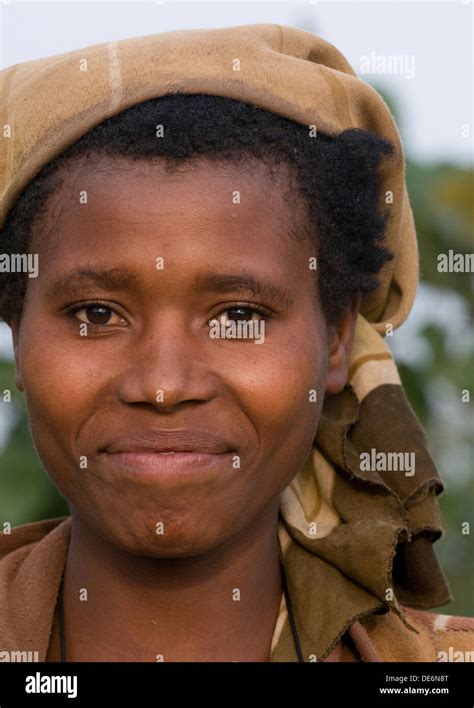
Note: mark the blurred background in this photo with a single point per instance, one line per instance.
(430, 95)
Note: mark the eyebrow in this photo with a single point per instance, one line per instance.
(120, 279)
(108, 278)
(244, 282)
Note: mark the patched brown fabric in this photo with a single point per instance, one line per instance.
(403, 509)
(417, 576)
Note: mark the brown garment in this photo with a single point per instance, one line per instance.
(32, 560)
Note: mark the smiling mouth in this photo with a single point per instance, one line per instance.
(160, 452)
(170, 463)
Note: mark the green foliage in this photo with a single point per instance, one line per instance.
(442, 200)
(27, 493)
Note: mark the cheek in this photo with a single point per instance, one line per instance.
(59, 386)
(280, 387)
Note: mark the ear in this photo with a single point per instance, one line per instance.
(341, 337)
(15, 328)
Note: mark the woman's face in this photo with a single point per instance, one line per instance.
(143, 360)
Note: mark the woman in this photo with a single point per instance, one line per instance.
(189, 196)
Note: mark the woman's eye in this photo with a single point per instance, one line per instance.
(97, 315)
(243, 313)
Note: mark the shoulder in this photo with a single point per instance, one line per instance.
(423, 636)
(21, 539)
(32, 559)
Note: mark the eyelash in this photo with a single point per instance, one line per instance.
(72, 311)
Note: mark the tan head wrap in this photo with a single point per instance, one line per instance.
(369, 533)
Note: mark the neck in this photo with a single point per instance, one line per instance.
(220, 606)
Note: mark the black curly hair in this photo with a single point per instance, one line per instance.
(337, 179)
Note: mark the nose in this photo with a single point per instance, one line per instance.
(169, 367)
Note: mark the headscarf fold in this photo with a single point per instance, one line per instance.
(374, 528)
(377, 527)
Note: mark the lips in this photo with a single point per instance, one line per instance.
(150, 453)
(156, 440)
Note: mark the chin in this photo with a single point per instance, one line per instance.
(137, 535)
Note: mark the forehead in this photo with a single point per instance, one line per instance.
(230, 189)
(223, 216)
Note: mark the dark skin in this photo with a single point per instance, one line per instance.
(174, 594)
